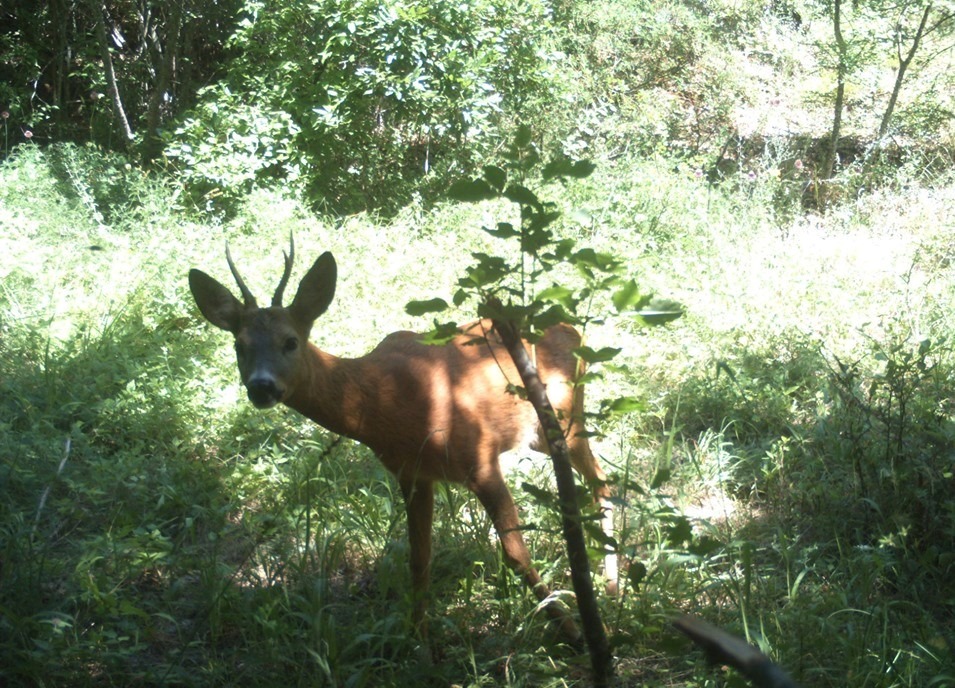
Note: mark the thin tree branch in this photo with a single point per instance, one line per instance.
(830, 162)
(594, 634)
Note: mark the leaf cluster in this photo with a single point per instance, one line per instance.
(550, 279)
(353, 101)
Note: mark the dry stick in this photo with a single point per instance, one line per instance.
(46, 490)
(722, 647)
(600, 657)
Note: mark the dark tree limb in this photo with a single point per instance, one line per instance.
(724, 648)
(593, 629)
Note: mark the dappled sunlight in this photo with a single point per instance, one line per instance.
(713, 507)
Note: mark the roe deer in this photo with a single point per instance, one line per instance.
(429, 412)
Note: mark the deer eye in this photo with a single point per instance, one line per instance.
(291, 344)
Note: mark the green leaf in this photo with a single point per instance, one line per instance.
(624, 405)
(518, 193)
(558, 294)
(636, 573)
(680, 532)
(496, 177)
(704, 546)
(596, 533)
(518, 391)
(441, 334)
(489, 270)
(471, 191)
(660, 478)
(628, 296)
(588, 258)
(507, 312)
(535, 238)
(596, 355)
(540, 495)
(429, 306)
(522, 138)
(555, 315)
(561, 250)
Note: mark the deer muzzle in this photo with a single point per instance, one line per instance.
(264, 392)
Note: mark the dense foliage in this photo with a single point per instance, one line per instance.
(349, 99)
(364, 105)
(73, 71)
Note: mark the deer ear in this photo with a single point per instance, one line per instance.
(215, 302)
(316, 290)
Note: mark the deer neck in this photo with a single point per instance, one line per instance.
(332, 392)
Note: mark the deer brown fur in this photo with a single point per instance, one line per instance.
(430, 413)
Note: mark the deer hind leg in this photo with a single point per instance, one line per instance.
(419, 503)
(586, 464)
(492, 492)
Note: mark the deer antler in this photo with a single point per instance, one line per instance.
(246, 294)
(289, 257)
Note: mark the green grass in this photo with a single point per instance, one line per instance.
(790, 479)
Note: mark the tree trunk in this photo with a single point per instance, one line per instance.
(904, 63)
(830, 161)
(118, 110)
(600, 656)
(152, 145)
(60, 65)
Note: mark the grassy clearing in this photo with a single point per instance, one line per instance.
(790, 478)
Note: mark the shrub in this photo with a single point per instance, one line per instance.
(350, 99)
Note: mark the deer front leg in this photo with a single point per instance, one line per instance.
(419, 504)
(493, 494)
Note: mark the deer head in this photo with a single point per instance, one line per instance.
(270, 342)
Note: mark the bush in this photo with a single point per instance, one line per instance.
(355, 101)
(652, 76)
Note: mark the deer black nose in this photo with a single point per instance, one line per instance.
(264, 392)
